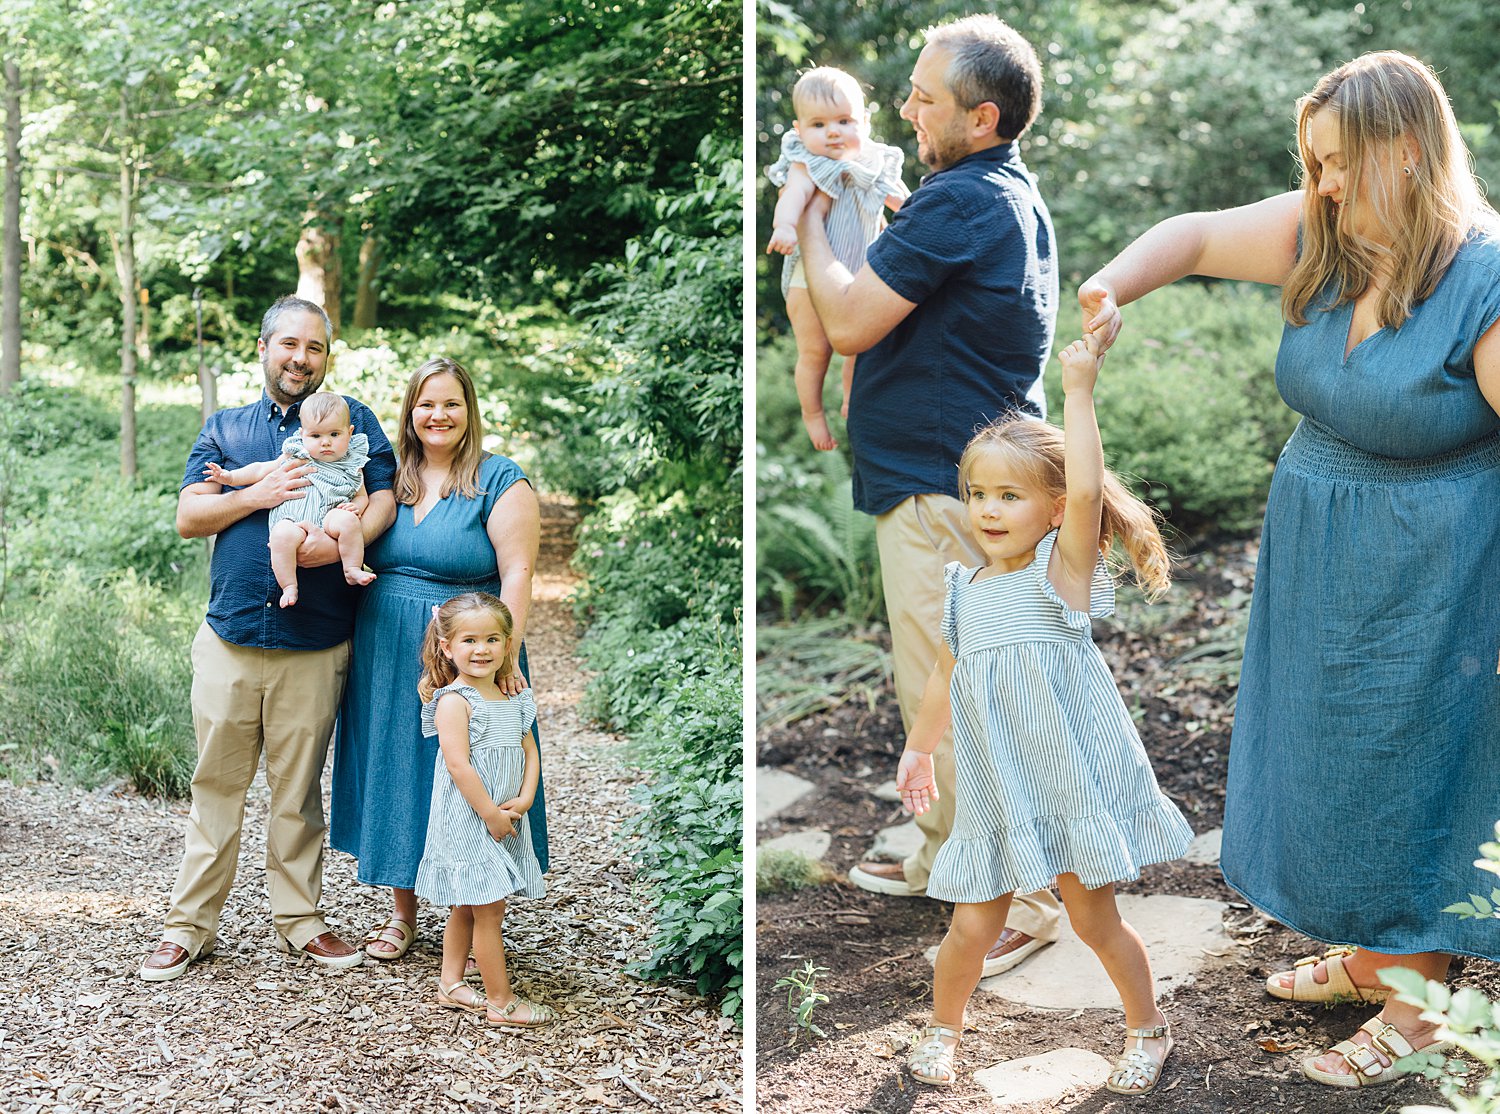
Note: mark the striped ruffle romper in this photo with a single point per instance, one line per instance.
(462, 864)
(1051, 775)
(330, 483)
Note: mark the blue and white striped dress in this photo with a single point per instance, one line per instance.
(858, 186)
(462, 864)
(1051, 775)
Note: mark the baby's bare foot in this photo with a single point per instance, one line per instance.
(358, 576)
(817, 430)
(289, 596)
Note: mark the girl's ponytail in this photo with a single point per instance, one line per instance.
(1137, 527)
(437, 670)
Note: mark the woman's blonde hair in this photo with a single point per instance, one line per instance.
(1385, 98)
(463, 470)
(1036, 448)
(438, 669)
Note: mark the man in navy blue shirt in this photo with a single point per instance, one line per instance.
(952, 317)
(266, 678)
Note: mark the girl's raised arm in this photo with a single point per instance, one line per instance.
(1077, 551)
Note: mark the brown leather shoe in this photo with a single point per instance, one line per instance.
(326, 950)
(1010, 949)
(164, 964)
(882, 878)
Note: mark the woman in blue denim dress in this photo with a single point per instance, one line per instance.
(1362, 773)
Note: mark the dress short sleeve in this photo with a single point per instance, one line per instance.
(497, 474)
(889, 180)
(953, 574)
(528, 709)
(1101, 587)
(429, 709)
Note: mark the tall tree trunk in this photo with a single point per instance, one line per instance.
(10, 265)
(319, 273)
(366, 299)
(125, 269)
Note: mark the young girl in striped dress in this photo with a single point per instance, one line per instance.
(1053, 782)
(478, 851)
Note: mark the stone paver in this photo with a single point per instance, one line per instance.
(887, 791)
(897, 843)
(812, 843)
(1041, 1083)
(1205, 849)
(776, 791)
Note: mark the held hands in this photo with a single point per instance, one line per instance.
(1080, 364)
(783, 240)
(1101, 312)
(916, 782)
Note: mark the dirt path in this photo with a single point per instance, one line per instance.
(83, 884)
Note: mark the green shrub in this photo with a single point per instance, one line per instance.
(95, 674)
(690, 843)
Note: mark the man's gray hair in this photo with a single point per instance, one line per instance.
(293, 304)
(988, 60)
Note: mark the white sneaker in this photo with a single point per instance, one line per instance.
(883, 878)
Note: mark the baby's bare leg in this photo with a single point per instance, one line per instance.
(286, 537)
(813, 354)
(344, 527)
(848, 385)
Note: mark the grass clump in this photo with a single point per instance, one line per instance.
(784, 872)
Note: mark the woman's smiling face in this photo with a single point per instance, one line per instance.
(439, 416)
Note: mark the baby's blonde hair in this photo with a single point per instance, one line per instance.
(322, 406)
(438, 670)
(825, 84)
(1037, 449)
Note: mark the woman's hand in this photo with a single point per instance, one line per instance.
(916, 782)
(514, 683)
(501, 822)
(1101, 312)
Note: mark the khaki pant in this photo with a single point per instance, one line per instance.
(246, 700)
(916, 538)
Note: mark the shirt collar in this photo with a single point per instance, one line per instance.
(985, 159)
(273, 411)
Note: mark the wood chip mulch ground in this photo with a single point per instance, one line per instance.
(84, 878)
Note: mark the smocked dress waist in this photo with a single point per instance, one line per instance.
(1317, 451)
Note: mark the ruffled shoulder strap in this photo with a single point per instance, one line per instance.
(429, 709)
(1101, 587)
(359, 452)
(954, 574)
(528, 709)
(293, 446)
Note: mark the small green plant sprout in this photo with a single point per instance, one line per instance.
(802, 997)
(1467, 1018)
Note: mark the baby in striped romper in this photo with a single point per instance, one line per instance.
(1052, 781)
(829, 148)
(334, 498)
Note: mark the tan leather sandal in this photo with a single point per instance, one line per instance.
(1365, 1067)
(1339, 987)
(394, 935)
(1137, 1072)
(931, 1061)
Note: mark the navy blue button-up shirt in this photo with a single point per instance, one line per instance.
(974, 248)
(243, 594)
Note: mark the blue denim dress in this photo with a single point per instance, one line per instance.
(1365, 764)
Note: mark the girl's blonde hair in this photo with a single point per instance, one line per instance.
(438, 670)
(323, 405)
(1036, 448)
(823, 84)
(1384, 98)
(463, 470)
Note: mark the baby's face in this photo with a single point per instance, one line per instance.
(834, 128)
(327, 439)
